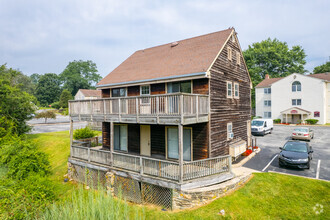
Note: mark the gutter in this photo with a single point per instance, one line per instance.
(155, 79)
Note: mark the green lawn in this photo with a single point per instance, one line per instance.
(265, 196)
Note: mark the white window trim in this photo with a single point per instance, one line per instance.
(229, 53)
(267, 101)
(229, 124)
(141, 90)
(296, 102)
(268, 115)
(229, 96)
(236, 97)
(191, 142)
(238, 58)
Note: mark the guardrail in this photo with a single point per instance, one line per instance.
(154, 105)
(206, 167)
(155, 167)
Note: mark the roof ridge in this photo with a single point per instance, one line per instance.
(186, 39)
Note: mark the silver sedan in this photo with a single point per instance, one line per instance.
(302, 134)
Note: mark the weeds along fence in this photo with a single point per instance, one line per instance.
(92, 204)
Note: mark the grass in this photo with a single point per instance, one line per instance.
(265, 196)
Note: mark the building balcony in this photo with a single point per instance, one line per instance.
(172, 109)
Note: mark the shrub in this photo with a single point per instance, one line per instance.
(277, 121)
(55, 105)
(65, 97)
(22, 159)
(83, 133)
(311, 121)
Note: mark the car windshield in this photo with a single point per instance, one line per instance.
(257, 123)
(301, 129)
(296, 147)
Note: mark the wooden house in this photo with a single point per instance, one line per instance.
(170, 115)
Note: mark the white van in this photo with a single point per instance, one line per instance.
(261, 126)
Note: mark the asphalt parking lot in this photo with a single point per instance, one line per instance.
(267, 159)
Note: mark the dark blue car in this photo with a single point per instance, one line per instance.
(296, 154)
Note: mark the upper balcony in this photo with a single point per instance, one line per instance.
(169, 109)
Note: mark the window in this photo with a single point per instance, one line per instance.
(268, 103)
(236, 90)
(267, 114)
(267, 90)
(230, 134)
(229, 90)
(316, 114)
(145, 90)
(238, 58)
(120, 137)
(296, 86)
(229, 53)
(296, 101)
(119, 92)
(173, 143)
(184, 87)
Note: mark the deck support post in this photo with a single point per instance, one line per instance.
(71, 135)
(180, 130)
(111, 142)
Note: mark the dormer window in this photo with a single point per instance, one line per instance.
(296, 86)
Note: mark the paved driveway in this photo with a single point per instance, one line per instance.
(267, 159)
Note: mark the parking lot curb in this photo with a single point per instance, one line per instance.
(289, 174)
(242, 162)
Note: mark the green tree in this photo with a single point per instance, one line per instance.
(17, 78)
(15, 106)
(65, 97)
(48, 89)
(324, 68)
(46, 115)
(275, 58)
(35, 78)
(80, 75)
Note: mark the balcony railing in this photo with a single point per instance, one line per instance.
(154, 167)
(139, 107)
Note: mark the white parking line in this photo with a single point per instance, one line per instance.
(318, 169)
(269, 163)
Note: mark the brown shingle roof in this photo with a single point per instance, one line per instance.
(325, 76)
(268, 82)
(193, 55)
(91, 93)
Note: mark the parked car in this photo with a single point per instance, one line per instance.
(302, 134)
(296, 154)
(261, 126)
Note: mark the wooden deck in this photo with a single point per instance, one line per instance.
(168, 109)
(152, 167)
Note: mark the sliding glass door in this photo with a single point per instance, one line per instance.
(120, 137)
(173, 143)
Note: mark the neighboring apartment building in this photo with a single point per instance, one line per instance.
(87, 94)
(294, 98)
(170, 114)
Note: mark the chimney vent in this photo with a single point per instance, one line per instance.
(267, 76)
(174, 44)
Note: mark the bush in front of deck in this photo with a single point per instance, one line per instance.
(84, 133)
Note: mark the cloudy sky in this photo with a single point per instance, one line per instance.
(38, 36)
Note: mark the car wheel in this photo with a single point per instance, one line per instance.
(280, 164)
(270, 131)
(263, 133)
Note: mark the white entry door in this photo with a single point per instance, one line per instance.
(145, 140)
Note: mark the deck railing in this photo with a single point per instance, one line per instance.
(155, 167)
(154, 105)
(91, 155)
(206, 167)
